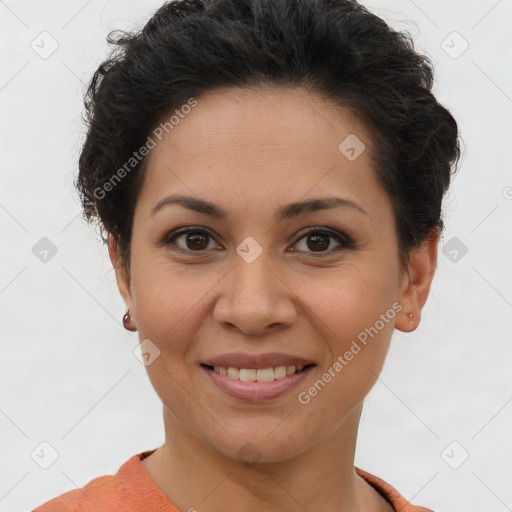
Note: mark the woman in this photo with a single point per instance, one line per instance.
(268, 175)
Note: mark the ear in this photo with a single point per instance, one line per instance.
(122, 276)
(416, 282)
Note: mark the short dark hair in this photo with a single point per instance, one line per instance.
(335, 48)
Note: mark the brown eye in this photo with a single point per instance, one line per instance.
(316, 241)
(191, 240)
(196, 241)
(319, 241)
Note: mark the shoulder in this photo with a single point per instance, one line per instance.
(390, 493)
(107, 492)
(129, 490)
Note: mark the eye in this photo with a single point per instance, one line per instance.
(193, 240)
(318, 240)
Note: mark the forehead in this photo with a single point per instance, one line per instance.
(255, 117)
(256, 144)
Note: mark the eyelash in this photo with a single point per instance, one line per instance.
(342, 239)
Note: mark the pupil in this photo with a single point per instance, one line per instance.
(195, 238)
(317, 244)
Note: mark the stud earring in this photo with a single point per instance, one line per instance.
(128, 323)
(410, 316)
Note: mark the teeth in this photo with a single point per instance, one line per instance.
(259, 375)
(280, 372)
(248, 375)
(265, 374)
(234, 373)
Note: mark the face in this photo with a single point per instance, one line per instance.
(249, 282)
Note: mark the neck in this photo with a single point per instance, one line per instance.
(195, 476)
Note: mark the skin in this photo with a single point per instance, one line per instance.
(251, 151)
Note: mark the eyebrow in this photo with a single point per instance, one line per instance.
(284, 212)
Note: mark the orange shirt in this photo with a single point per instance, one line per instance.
(131, 490)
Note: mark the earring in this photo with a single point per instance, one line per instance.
(128, 323)
(410, 316)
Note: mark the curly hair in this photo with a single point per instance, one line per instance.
(335, 48)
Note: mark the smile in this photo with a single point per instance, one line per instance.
(257, 375)
(256, 384)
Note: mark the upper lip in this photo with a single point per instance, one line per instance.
(248, 361)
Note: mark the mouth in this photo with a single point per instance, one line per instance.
(258, 374)
(256, 379)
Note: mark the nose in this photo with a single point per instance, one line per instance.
(255, 299)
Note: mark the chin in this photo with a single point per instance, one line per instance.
(253, 448)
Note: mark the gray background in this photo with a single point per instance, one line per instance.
(68, 373)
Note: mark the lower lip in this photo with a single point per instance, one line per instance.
(256, 391)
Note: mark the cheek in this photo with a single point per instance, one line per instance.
(170, 307)
(348, 302)
(168, 300)
(353, 324)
